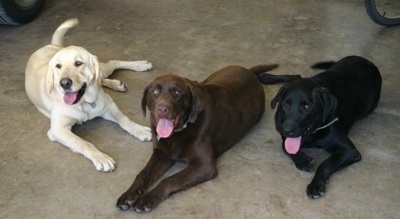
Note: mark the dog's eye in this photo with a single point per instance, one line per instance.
(176, 92)
(306, 107)
(285, 105)
(155, 92)
(58, 66)
(78, 63)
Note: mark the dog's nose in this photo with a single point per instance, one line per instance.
(162, 110)
(66, 83)
(289, 130)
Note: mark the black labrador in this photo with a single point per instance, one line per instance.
(319, 112)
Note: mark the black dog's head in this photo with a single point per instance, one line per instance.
(303, 107)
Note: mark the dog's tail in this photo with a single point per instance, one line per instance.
(266, 78)
(323, 65)
(263, 68)
(58, 36)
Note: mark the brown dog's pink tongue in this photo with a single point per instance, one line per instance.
(292, 145)
(164, 128)
(70, 97)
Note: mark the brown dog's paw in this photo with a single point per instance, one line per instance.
(147, 203)
(126, 200)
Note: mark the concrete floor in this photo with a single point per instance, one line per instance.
(42, 179)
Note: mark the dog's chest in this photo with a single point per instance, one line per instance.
(87, 111)
(175, 146)
(88, 107)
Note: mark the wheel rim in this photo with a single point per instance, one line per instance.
(25, 3)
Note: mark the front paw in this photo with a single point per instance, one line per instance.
(147, 203)
(303, 162)
(316, 189)
(142, 133)
(127, 199)
(102, 162)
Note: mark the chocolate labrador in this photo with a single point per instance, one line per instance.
(194, 123)
(319, 111)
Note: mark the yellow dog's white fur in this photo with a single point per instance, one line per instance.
(51, 63)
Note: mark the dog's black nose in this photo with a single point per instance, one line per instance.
(289, 130)
(66, 83)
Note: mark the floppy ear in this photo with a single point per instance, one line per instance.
(278, 96)
(144, 100)
(50, 76)
(196, 103)
(95, 68)
(327, 100)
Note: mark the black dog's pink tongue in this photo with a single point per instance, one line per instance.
(70, 97)
(164, 128)
(292, 145)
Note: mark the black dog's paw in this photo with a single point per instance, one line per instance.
(304, 162)
(316, 189)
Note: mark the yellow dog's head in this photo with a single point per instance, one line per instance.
(73, 73)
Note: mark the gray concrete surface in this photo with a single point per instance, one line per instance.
(42, 179)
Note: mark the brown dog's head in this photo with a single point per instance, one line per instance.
(173, 102)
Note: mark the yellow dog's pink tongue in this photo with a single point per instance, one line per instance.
(164, 128)
(70, 97)
(292, 145)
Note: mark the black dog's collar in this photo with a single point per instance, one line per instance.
(330, 123)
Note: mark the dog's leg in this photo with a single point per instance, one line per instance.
(63, 135)
(197, 171)
(114, 84)
(155, 168)
(108, 68)
(301, 160)
(346, 155)
(114, 114)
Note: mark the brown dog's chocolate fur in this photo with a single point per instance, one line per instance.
(207, 118)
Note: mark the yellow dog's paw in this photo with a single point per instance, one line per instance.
(102, 162)
(142, 133)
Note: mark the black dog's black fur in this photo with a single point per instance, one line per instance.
(349, 90)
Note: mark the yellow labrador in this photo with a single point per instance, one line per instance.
(65, 84)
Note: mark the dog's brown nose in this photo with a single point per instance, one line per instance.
(66, 83)
(162, 110)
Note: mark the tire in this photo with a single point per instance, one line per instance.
(378, 18)
(17, 12)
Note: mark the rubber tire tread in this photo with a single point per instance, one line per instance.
(376, 17)
(12, 14)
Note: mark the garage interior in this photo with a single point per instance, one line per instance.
(43, 179)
